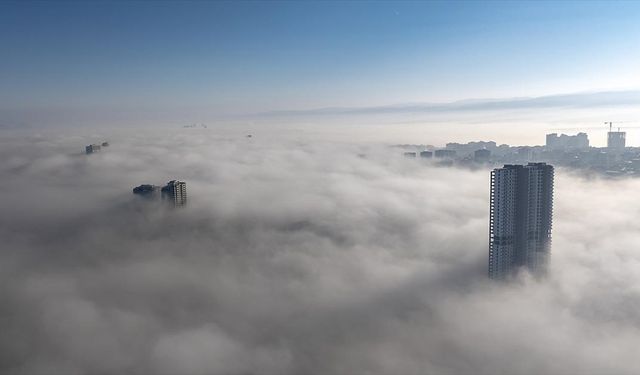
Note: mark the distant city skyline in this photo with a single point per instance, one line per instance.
(175, 59)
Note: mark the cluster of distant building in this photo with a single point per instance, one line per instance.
(90, 149)
(572, 151)
(444, 153)
(195, 126)
(447, 154)
(174, 192)
(579, 141)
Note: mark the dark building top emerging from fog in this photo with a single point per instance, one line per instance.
(91, 149)
(174, 192)
(520, 220)
(147, 191)
(95, 147)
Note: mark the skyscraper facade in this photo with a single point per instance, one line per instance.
(176, 192)
(520, 219)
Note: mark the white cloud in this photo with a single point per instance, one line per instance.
(296, 256)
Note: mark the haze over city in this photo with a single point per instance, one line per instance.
(319, 187)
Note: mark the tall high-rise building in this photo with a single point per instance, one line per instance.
(616, 140)
(176, 192)
(520, 220)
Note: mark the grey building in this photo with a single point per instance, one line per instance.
(91, 149)
(175, 192)
(579, 141)
(426, 154)
(616, 140)
(525, 153)
(481, 156)
(520, 219)
(445, 153)
(147, 191)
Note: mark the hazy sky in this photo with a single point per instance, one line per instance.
(243, 57)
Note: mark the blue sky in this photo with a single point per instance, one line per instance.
(244, 57)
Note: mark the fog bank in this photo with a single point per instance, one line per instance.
(295, 255)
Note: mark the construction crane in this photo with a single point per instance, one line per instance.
(610, 123)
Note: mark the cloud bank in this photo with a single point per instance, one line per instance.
(574, 100)
(296, 256)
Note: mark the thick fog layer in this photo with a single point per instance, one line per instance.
(296, 256)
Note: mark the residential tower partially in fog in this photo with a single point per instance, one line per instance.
(176, 192)
(520, 220)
